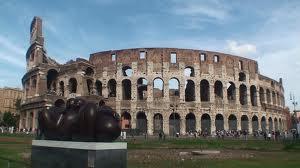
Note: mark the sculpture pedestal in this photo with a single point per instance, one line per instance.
(69, 154)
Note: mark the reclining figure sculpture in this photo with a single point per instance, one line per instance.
(80, 120)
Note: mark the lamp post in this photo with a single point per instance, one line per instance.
(295, 103)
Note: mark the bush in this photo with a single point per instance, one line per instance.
(9, 120)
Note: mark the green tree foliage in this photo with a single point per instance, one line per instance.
(18, 105)
(9, 119)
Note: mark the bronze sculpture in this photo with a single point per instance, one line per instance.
(80, 120)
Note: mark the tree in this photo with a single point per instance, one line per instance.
(18, 105)
(9, 119)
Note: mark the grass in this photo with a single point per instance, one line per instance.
(267, 154)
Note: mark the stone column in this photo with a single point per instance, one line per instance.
(182, 90)
(250, 125)
(166, 96)
(213, 123)
(166, 124)
(225, 99)
(133, 120)
(226, 125)
(197, 92)
(119, 91)
(27, 120)
(239, 123)
(249, 103)
(149, 124)
(211, 92)
(182, 126)
(150, 91)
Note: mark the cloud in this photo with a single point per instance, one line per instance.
(10, 46)
(197, 12)
(240, 49)
(11, 53)
(10, 59)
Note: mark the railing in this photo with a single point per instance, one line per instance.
(11, 163)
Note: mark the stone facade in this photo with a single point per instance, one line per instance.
(8, 98)
(157, 89)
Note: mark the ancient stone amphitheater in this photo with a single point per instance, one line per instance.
(157, 89)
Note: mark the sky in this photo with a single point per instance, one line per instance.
(267, 31)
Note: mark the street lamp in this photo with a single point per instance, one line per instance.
(295, 103)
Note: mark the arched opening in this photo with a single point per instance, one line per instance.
(232, 122)
(73, 85)
(126, 89)
(89, 84)
(127, 71)
(244, 123)
(89, 71)
(204, 90)
(253, 95)
(158, 88)
(142, 85)
(255, 123)
(263, 124)
(242, 77)
(141, 122)
(268, 96)
(98, 86)
(219, 122)
(174, 88)
(274, 98)
(276, 124)
(231, 96)
(190, 123)
(33, 85)
(174, 124)
(261, 95)
(270, 121)
(59, 103)
(189, 91)
(218, 90)
(51, 80)
(158, 123)
(111, 86)
(243, 94)
(189, 71)
(126, 120)
(206, 123)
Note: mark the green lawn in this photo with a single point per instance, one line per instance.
(15, 149)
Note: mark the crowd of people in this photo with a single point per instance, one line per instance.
(244, 134)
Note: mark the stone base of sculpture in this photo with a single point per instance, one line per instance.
(67, 154)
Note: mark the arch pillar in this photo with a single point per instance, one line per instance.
(149, 124)
(226, 126)
(212, 122)
(166, 124)
(250, 125)
(182, 125)
(238, 122)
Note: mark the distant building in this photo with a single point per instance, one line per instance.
(8, 98)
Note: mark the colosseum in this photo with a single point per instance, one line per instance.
(157, 89)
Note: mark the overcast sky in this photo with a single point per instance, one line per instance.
(264, 30)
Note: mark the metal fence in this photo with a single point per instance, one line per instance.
(10, 163)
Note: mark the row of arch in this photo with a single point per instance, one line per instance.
(175, 122)
(174, 88)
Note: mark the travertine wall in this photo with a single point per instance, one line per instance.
(46, 81)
